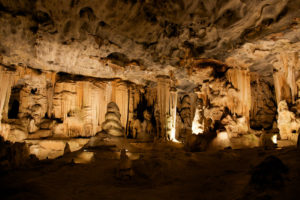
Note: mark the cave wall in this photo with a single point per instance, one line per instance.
(6, 78)
(241, 101)
(263, 108)
(60, 105)
(225, 102)
(286, 77)
(63, 105)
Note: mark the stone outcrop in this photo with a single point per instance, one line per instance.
(263, 106)
(288, 123)
(14, 155)
(86, 38)
(223, 99)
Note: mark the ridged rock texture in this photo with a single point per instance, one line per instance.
(112, 124)
(130, 38)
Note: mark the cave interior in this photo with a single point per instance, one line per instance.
(149, 99)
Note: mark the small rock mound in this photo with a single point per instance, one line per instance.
(14, 155)
(195, 142)
(268, 174)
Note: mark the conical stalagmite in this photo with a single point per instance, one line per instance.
(112, 124)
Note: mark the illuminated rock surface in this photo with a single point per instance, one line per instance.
(82, 80)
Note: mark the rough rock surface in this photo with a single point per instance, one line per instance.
(288, 123)
(113, 38)
(263, 103)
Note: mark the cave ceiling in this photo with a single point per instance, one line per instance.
(140, 39)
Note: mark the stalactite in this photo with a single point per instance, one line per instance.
(263, 106)
(108, 93)
(121, 99)
(163, 99)
(51, 79)
(173, 108)
(6, 79)
(131, 105)
(167, 107)
(65, 99)
(282, 89)
(240, 79)
(285, 77)
(102, 102)
(198, 122)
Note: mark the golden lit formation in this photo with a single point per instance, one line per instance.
(149, 99)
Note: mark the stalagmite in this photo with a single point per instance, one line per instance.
(5, 89)
(288, 123)
(163, 103)
(131, 106)
(198, 121)
(173, 109)
(263, 103)
(112, 124)
(285, 76)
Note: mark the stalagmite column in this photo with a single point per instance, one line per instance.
(81, 105)
(173, 107)
(163, 102)
(121, 99)
(50, 76)
(64, 99)
(197, 124)
(132, 90)
(108, 92)
(102, 102)
(6, 79)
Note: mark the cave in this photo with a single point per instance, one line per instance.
(149, 99)
(14, 110)
(14, 103)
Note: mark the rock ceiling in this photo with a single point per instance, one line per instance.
(139, 39)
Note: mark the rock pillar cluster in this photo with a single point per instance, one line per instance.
(39, 104)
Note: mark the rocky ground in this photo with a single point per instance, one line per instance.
(161, 171)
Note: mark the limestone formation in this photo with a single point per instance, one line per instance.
(186, 114)
(164, 69)
(263, 103)
(136, 128)
(81, 80)
(147, 124)
(288, 123)
(268, 140)
(263, 177)
(124, 170)
(13, 155)
(195, 142)
(112, 124)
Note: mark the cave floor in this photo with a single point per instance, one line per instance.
(163, 171)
